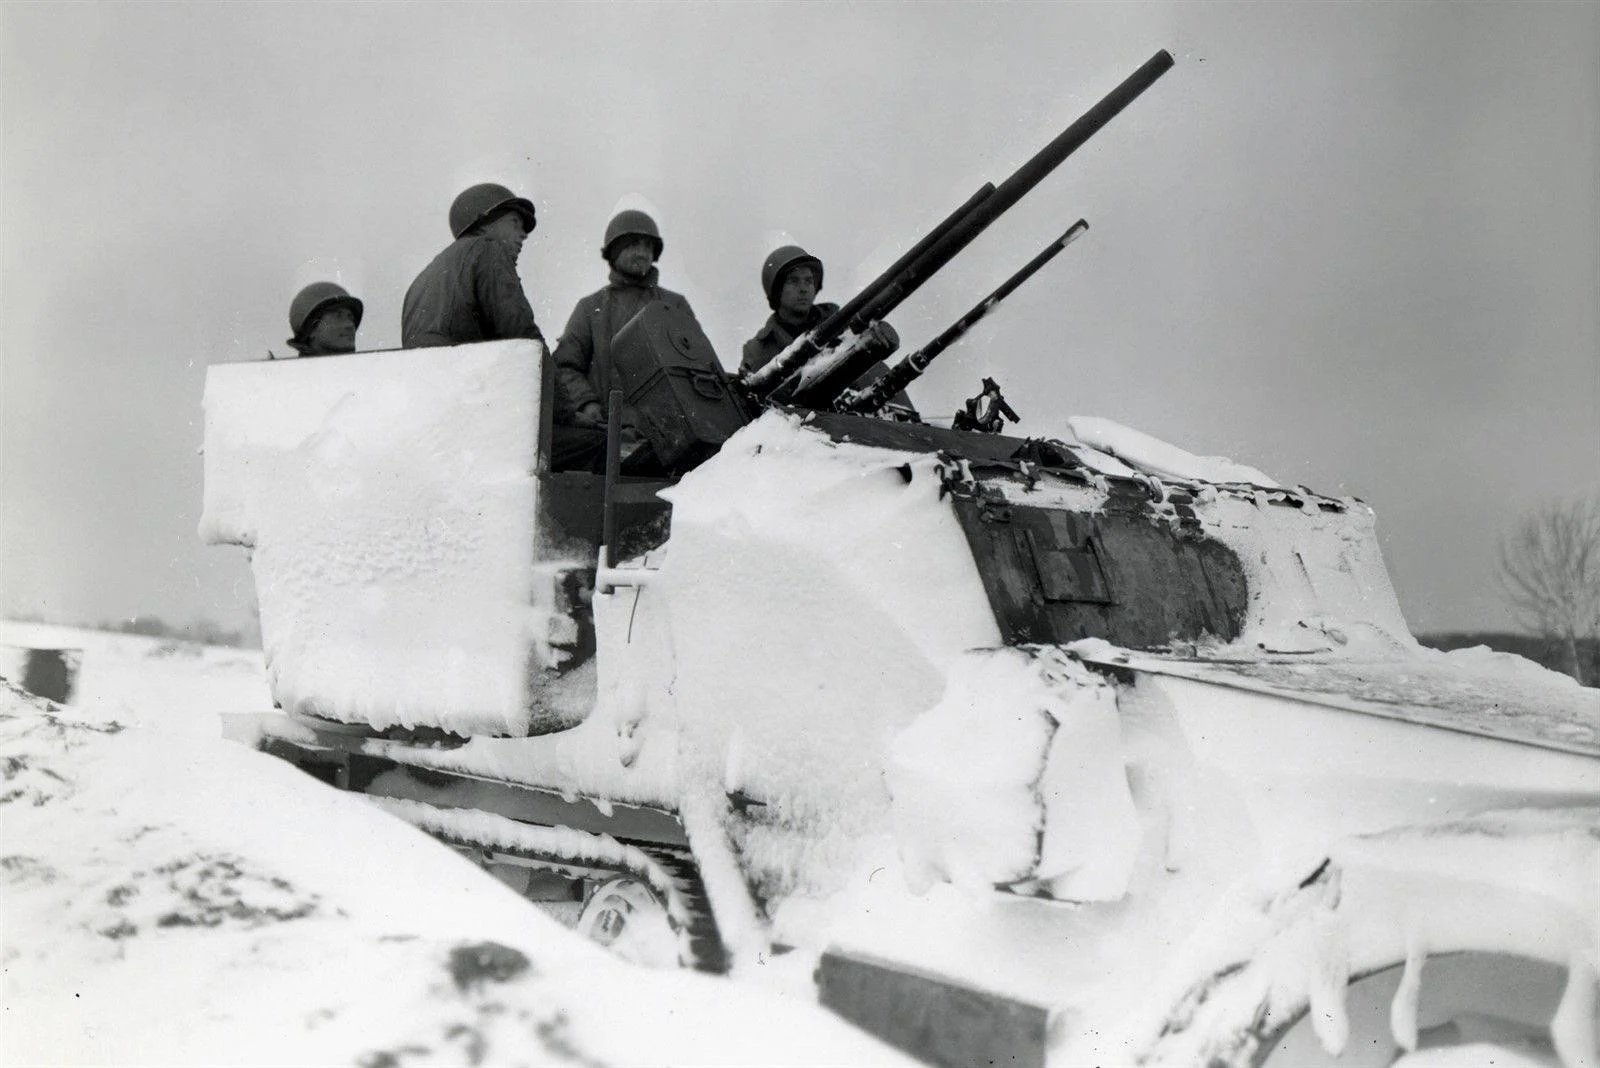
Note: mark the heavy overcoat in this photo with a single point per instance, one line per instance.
(470, 292)
(583, 355)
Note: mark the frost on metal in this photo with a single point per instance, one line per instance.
(388, 501)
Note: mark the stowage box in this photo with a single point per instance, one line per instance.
(674, 387)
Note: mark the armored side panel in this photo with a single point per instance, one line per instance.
(676, 391)
(1123, 574)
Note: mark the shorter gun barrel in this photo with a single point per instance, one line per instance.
(908, 370)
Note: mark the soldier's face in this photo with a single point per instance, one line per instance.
(633, 256)
(799, 292)
(333, 332)
(507, 227)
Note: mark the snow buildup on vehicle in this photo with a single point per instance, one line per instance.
(786, 549)
(1317, 580)
(391, 517)
(1522, 885)
(1158, 458)
(1017, 777)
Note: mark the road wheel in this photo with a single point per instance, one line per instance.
(629, 918)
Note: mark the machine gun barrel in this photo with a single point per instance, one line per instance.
(822, 389)
(764, 380)
(874, 397)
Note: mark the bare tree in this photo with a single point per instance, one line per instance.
(1550, 572)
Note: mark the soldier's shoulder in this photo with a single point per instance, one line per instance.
(585, 308)
(672, 296)
(767, 333)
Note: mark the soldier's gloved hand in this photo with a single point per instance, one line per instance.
(589, 415)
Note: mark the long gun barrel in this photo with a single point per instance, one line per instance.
(822, 386)
(763, 380)
(908, 370)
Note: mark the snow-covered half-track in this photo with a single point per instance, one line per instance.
(1066, 724)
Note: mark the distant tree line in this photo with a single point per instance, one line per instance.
(1550, 576)
(203, 631)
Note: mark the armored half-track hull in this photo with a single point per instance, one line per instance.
(1022, 747)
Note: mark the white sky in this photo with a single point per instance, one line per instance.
(1354, 245)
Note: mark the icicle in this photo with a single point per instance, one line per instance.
(1572, 1027)
(1403, 1009)
(1329, 980)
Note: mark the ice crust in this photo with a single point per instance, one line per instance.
(388, 502)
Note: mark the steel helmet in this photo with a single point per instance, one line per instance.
(476, 204)
(780, 262)
(315, 299)
(631, 223)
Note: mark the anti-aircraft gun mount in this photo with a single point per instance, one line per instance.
(672, 383)
(1078, 683)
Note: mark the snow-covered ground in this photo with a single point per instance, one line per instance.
(171, 898)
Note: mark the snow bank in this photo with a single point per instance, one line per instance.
(389, 502)
(172, 685)
(289, 923)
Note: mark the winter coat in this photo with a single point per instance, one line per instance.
(583, 355)
(774, 337)
(470, 292)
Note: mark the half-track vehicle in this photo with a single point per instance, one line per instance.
(1071, 749)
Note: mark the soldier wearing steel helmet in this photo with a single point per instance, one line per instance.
(632, 244)
(324, 318)
(471, 291)
(791, 278)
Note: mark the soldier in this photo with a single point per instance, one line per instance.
(324, 318)
(583, 359)
(583, 371)
(471, 291)
(792, 278)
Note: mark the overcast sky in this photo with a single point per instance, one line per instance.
(1354, 245)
